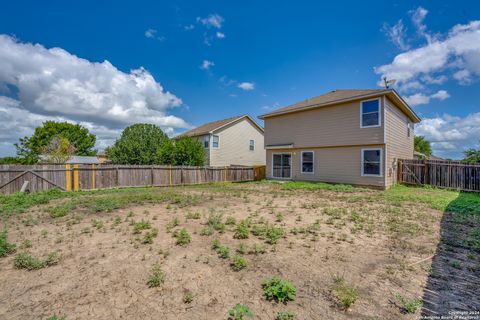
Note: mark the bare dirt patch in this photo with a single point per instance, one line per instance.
(378, 248)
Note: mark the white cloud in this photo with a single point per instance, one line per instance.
(458, 51)
(440, 95)
(220, 35)
(212, 21)
(247, 86)
(396, 34)
(418, 16)
(150, 33)
(451, 135)
(189, 27)
(54, 84)
(206, 65)
(420, 98)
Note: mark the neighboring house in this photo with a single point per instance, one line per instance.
(420, 156)
(232, 141)
(344, 136)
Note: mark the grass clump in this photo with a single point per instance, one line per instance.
(223, 251)
(62, 209)
(172, 224)
(239, 263)
(344, 294)
(6, 248)
(279, 289)
(239, 312)
(285, 315)
(157, 276)
(54, 317)
(26, 261)
(138, 227)
(183, 237)
(188, 297)
(295, 185)
(241, 230)
(215, 221)
(149, 236)
(409, 306)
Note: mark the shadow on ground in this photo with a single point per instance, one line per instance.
(454, 281)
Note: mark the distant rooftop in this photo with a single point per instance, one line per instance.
(212, 126)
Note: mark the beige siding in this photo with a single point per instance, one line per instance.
(234, 145)
(326, 126)
(399, 145)
(335, 164)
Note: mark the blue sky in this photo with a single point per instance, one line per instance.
(195, 62)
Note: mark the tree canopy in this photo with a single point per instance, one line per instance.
(184, 151)
(422, 145)
(138, 144)
(30, 148)
(472, 155)
(58, 150)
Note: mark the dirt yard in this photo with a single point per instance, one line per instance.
(350, 253)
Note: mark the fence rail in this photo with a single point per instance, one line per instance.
(89, 177)
(442, 174)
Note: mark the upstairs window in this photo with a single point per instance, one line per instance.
(307, 161)
(371, 162)
(205, 141)
(252, 145)
(370, 113)
(215, 141)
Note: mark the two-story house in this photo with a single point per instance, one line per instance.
(344, 136)
(230, 142)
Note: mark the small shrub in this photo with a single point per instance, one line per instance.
(409, 306)
(188, 297)
(61, 210)
(223, 252)
(193, 215)
(216, 244)
(285, 315)
(241, 231)
(26, 261)
(345, 294)
(239, 312)
(239, 263)
(183, 237)
(26, 244)
(273, 234)
(257, 249)
(242, 248)
(279, 290)
(157, 276)
(138, 227)
(5, 247)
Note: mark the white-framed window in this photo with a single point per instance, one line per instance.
(215, 141)
(206, 140)
(370, 113)
(372, 162)
(409, 129)
(251, 145)
(307, 162)
(282, 165)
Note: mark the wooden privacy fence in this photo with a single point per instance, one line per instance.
(89, 177)
(439, 173)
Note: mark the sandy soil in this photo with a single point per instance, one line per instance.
(103, 267)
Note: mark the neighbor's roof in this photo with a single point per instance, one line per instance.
(339, 96)
(83, 160)
(215, 125)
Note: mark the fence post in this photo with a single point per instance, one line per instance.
(93, 176)
(426, 180)
(399, 171)
(68, 178)
(225, 180)
(170, 176)
(151, 175)
(76, 185)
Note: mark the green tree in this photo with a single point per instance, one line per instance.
(138, 144)
(185, 151)
(472, 156)
(11, 160)
(422, 145)
(30, 148)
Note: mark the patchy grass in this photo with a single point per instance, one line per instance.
(6, 248)
(26, 261)
(157, 276)
(344, 293)
(279, 289)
